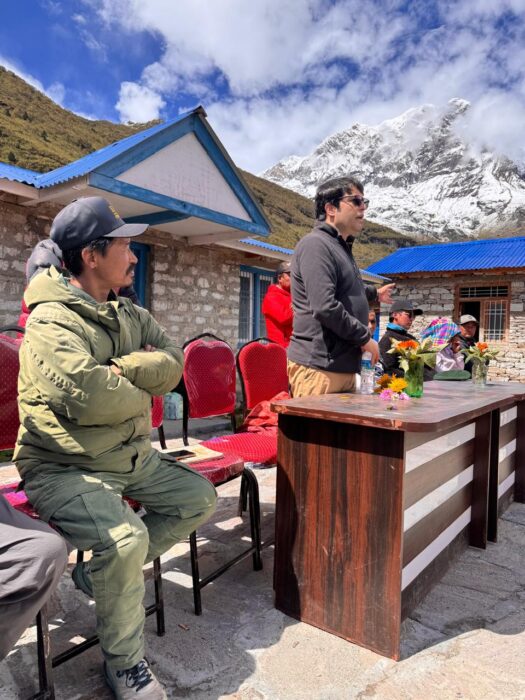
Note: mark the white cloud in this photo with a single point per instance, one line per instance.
(56, 91)
(138, 103)
(278, 77)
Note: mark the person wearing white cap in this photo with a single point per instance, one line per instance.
(469, 326)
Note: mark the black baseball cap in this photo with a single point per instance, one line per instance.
(283, 267)
(404, 305)
(89, 218)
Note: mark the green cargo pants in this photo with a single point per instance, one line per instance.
(94, 517)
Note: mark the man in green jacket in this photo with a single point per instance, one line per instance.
(89, 365)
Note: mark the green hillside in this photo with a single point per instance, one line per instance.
(37, 134)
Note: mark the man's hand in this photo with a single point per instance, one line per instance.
(372, 347)
(116, 370)
(149, 348)
(384, 294)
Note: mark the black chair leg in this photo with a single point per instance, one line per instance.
(162, 438)
(197, 603)
(159, 598)
(252, 487)
(45, 660)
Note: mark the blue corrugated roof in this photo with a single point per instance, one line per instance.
(446, 257)
(88, 163)
(289, 251)
(15, 174)
(267, 246)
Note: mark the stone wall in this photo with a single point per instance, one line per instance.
(192, 289)
(436, 297)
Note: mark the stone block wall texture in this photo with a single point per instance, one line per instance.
(435, 296)
(192, 289)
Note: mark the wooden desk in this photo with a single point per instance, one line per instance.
(372, 504)
(507, 458)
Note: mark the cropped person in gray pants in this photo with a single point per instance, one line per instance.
(32, 559)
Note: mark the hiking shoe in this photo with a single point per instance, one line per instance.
(82, 579)
(137, 683)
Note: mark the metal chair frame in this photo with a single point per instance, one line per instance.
(47, 662)
(249, 486)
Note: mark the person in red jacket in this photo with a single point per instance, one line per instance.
(277, 307)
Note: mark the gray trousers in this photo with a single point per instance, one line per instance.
(32, 559)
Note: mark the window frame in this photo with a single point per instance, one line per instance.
(256, 299)
(483, 302)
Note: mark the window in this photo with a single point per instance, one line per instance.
(254, 283)
(140, 283)
(490, 305)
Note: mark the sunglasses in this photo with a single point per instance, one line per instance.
(356, 200)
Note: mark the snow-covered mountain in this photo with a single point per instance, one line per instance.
(420, 173)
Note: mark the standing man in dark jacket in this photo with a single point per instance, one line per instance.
(402, 314)
(277, 307)
(330, 301)
(467, 339)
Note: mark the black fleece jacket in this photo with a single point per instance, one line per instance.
(330, 303)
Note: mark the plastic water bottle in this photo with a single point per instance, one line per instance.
(367, 374)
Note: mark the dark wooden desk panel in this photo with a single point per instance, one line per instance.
(343, 495)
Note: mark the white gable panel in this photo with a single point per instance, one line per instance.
(185, 171)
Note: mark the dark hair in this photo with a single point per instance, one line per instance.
(331, 191)
(73, 258)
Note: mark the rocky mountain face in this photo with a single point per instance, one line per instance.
(421, 175)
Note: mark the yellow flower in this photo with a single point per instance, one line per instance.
(397, 384)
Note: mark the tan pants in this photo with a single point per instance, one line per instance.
(307, 381)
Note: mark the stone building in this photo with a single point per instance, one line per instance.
(484, 278)
(199, 268)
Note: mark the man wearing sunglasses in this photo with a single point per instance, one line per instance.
(400, 319)
(330, 300)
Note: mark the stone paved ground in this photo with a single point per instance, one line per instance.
(466, 640)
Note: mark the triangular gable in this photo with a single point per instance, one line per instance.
(185, 171)
(128, 165)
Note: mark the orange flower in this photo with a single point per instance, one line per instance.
(481, 346)
(384, 381)
(408, 345)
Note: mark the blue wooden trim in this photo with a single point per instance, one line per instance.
(147, 148)
(256, 270)
(141, 250)
(124, 189)
(208, 142)
(257, 273)
(156, 217)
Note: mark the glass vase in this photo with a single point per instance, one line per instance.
(479, 373)
(414, 379)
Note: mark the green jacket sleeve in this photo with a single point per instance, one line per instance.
(72, 381)
(156, 372)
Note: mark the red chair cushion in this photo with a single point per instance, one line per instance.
(263, 370)
(218, 471)
(9, 421)
(18, 499)
(258, 448)
(209, 377)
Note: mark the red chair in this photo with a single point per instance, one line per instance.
(219, 472)
(9, 420)
(157, 418)
(208, 380)
(208, 389)
(261, 364)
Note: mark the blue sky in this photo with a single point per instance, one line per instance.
(276, 76)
